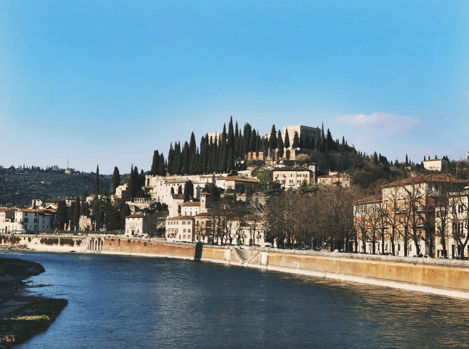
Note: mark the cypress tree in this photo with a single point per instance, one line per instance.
(231, 138)
(185, 159)
(273, 138)
(252, 142)
(296, 140)
(188, 191)
(97, 185)
(116, 178)
(330, 145)
(155, 163)
(61, 215)
(247, 138)
(230, 164)
(287, 139)
(279, 145)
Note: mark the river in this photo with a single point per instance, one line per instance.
(122, 302)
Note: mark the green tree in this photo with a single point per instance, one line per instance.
(116, 178)
(287, 139)
(279, 145)
(62, 218)
(188, 191)
(296, 140)
(97, 184)
(273, 138)
(155, 163)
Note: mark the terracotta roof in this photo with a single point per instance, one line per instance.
(289, 169)
(435, 160)
(178, 196)
(136, 215)
(190, 204)
(368, 200)
(203, 214)
(181, 218)
(337, 175)
(426, 178)
(30, 210)
(239, 179)
(172, 180)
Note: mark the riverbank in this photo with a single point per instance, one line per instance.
(442, 277)
(23, 315)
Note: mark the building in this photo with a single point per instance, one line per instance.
(7, 217)
(190, 208)
(30, 220)
(293, 177)
(452, 226)
(180, 228)
(435, 164)
(235, 182)
(140, 224)
(334, 178)
(403, 220)
(303, 132)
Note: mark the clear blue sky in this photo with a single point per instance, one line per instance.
(108, 82)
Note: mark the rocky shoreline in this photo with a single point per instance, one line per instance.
(23, 315)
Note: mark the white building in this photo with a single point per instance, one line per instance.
(180, 228)
(435, 164)
(140, 224)
(342, 179)
(293, 177)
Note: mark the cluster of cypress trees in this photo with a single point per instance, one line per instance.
(220, 154)
(215, 154)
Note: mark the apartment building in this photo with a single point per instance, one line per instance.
(293, 177)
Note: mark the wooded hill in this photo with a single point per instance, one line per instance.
(228, 153)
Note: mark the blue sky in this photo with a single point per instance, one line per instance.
(108, 82)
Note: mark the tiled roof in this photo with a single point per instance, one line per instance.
(172, 180)
(426, 178)
(203, 214)
(239, 179)
(181, 218)
(337, 175)
(136, 215)
(289, 169)
(191, 204)
(368, 200)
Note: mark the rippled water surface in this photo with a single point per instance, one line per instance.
(121, 302)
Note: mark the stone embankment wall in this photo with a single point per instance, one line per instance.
(49, 243)
(445, 277)
(449, 278)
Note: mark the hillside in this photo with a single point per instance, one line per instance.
(22, 185)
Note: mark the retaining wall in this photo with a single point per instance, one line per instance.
(450, 278)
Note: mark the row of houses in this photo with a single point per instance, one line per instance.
(419, 215)
(198, 221)
(13, 220)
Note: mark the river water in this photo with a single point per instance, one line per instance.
(122, 302)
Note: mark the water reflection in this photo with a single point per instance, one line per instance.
(119, 302)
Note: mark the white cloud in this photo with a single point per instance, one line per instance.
(380, 122)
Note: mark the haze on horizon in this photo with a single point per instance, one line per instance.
(109, 82)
